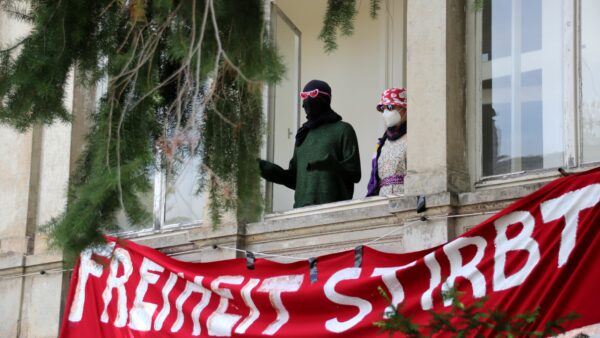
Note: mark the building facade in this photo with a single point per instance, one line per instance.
(498, 99)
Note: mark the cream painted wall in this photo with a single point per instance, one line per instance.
(41, 308)
(358, 71)
(40, 153)
(54, 171)
(15, 164)
(10, 293)
(14, 185)
(34, 172)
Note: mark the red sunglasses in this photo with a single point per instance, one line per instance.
(313, 93)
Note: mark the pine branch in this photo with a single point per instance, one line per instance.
(469, 320)
(375, 6)
(158, 57)
(477, 5)
(340, 16)
(17, 9)
(339, 19)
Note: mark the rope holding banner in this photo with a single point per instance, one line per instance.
(563, 172)
(312, 263)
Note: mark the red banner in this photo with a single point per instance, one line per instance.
(540, 252)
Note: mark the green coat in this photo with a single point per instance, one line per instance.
(324, 167)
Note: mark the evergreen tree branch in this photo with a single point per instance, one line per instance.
(16, 45)
(468, 320)
(178, 86)
(339, 19)
(477, 5)
(375, 6)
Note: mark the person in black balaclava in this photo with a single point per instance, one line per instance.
(326, 163)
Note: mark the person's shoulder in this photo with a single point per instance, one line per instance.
(344, 130)
(344, 125)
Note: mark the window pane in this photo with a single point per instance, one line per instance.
(286, 108)
(590, 79)
(183, 204)
(522, 117)
(147, 201)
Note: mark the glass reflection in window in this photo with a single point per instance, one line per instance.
(590, 80)
(522, 114)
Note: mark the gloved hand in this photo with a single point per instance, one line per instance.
(326, 163)
(262, 166)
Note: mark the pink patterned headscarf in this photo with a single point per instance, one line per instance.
(395, 96)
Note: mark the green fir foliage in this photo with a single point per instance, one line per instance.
(31, 86)
(165, 61)
(477, 5)
(339, 17)
(237, 114)
(375, 6)
(339, 20)
(468, 320)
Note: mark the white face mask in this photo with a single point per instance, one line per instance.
(391, 118)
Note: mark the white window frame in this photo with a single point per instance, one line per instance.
(159, 194)
(269, 111)
(571, 74)
(274, 13)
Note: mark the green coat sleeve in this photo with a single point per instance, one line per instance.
(349, 165)
(274, 173)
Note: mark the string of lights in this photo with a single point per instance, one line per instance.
(41, 272)
(288, 257)
(373, 241)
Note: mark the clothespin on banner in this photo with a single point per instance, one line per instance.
(250, 260)
(563, 172)
(312, 263)
(358, 255)
(421, 206)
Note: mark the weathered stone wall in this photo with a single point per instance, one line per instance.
(34, 172)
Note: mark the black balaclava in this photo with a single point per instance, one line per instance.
(318, 109)
(320, 105)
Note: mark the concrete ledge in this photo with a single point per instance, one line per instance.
(498, 194)
(322, 215)
(12, 261)
(162, 240)
(327, 236)
(327, 228)
(425, 181)
(409, 203)
(208, 232)
(207, 253)
(43, 259)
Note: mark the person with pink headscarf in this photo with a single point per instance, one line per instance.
(389, 163)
